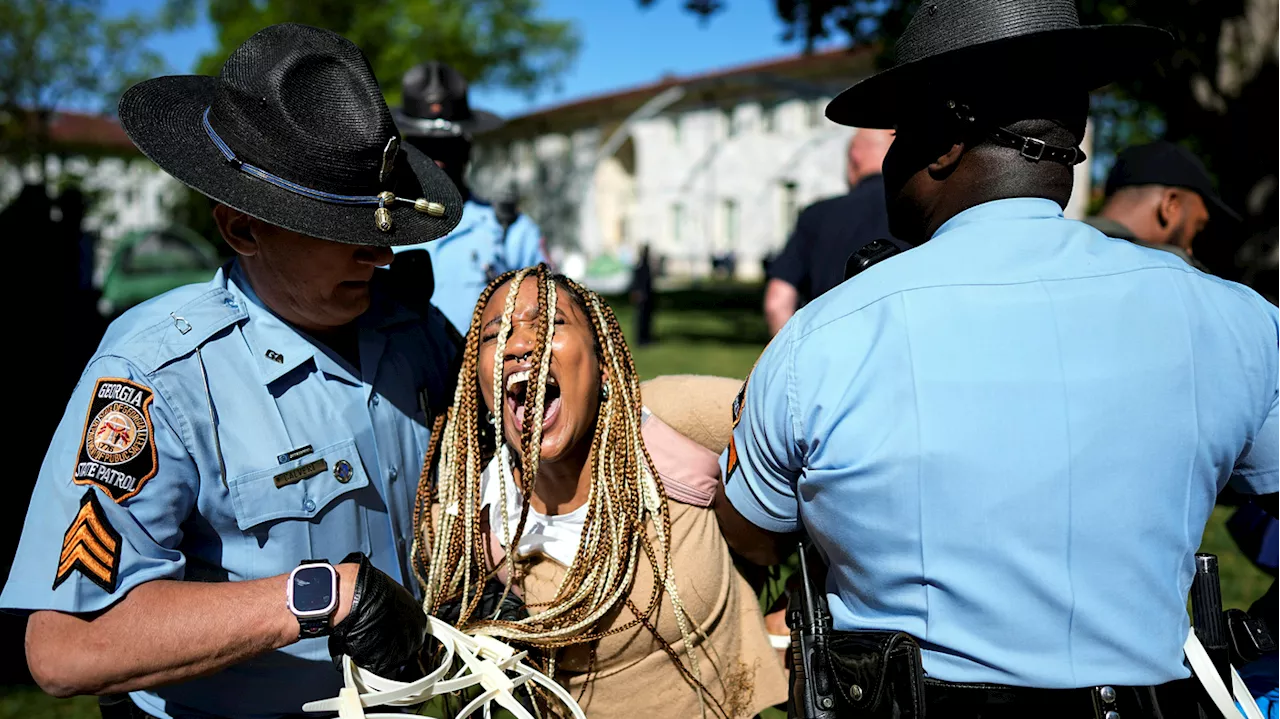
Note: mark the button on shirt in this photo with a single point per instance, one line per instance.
(460, 259)
(226, 446)
(1008, 440)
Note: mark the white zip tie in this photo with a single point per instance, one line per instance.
(493, 665)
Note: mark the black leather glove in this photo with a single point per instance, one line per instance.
(386, 627)
(512, 608)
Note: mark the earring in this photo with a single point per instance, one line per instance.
(604, 391)
(490, 417)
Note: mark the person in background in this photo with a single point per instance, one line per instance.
(830, 230)
(642, 297)
(436, 117)
(233, 477)
(1160, 196)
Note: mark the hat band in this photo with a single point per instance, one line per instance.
(382, 216)
(437, 124)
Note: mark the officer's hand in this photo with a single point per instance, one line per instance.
(385, 627)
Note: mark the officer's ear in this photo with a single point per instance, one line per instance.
(947, 162)
(234, 227)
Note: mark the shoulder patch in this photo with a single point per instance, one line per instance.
(117, 451)
(91, 546)
(738, 403)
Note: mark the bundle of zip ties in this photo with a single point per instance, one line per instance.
(495, 666)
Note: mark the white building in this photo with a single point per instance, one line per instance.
(94, 152)
(697, 167)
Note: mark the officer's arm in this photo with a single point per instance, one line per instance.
(1257, 470)
(756, 505)
(164, 632)
(756, 545)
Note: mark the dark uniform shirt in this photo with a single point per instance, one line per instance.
(827, 232)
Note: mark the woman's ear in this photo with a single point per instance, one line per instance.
(234, 227)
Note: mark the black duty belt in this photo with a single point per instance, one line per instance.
(1173, 700)
(879, 675)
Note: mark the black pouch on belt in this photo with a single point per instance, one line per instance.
(877, 674)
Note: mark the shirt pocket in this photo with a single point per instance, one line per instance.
(307, 508)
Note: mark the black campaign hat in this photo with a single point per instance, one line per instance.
(1164, 163)
(436, 104)
(295, 132)
(1030, 46)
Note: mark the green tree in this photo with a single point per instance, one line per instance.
(496, 43)
(56, 54)
(1217, 94)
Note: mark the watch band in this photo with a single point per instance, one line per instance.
(314, 626)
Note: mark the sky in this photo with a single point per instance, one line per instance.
(623, 45)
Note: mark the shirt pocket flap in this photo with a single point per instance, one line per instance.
(298, 489)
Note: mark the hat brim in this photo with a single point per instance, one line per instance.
(1085, 58)
(1219, 210)
(163, 117)
(480, 122)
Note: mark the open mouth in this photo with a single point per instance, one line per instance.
(518, 391)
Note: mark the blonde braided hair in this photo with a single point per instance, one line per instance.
(625, 497)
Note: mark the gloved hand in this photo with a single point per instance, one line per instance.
(512, 607)
(386, 627)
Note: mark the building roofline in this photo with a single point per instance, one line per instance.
(799, 63)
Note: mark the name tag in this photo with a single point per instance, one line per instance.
(291, 455)
(297, 474)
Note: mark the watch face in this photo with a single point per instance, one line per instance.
(312, 589)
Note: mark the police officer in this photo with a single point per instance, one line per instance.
(437, 118)
(1159, 195)
(1006, 441)
(273, 419)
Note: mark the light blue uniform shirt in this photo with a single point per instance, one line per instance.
(1008, 440)
(282, 402)
(460, 258)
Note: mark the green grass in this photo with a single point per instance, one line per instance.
(718, 331)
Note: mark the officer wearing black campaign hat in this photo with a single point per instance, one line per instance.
(1160, 195)
(436, 116)
(1006, 441)
(225, 501)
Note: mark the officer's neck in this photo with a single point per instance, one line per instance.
(982, 179)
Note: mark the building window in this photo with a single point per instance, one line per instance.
(768, 117)
(677, 121)
(817, 112)
(788, 208)
(677, 219)
(730, 126)
(730, 224)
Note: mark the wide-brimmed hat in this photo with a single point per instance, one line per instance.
(1026, 46)
(296, 133)
(436, 104)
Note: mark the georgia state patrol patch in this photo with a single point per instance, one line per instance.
(91, 545)
(117, 452)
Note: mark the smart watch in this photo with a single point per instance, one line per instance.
(313, 596)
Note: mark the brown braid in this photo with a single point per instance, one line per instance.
(625, 500)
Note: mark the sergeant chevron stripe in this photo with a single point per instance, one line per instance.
(90, 545)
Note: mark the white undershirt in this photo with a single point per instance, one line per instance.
(556, 536)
